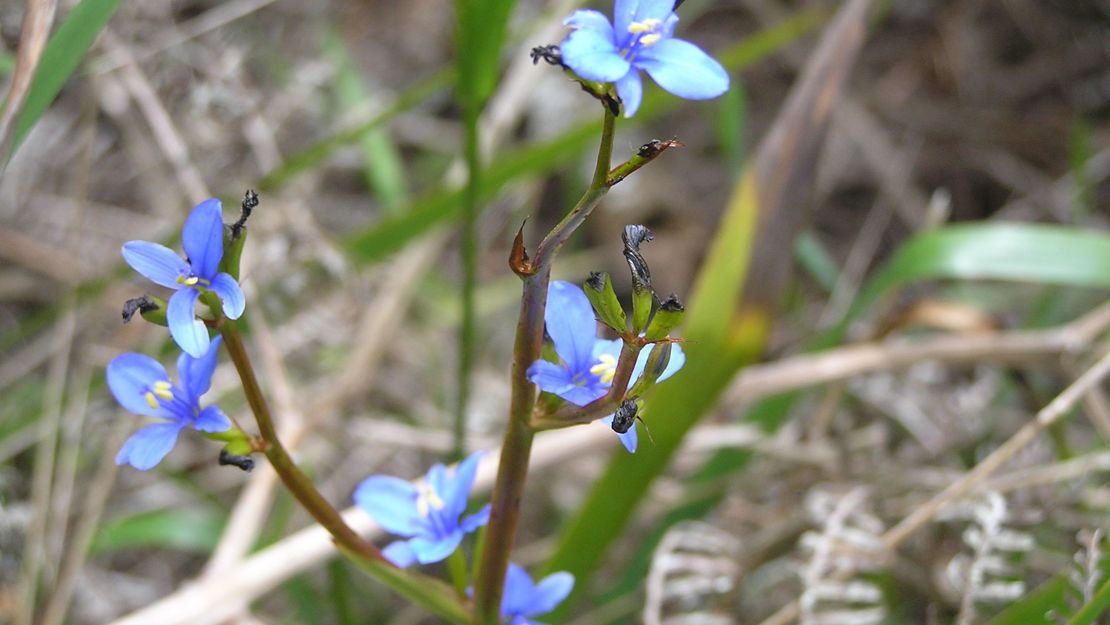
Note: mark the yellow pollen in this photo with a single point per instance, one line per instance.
(645, 26)
(427, 500)
(647, 40)
(162, 389)
(192, 281)
(605, 369)
(150, 399)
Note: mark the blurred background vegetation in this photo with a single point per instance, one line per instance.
(951, 256)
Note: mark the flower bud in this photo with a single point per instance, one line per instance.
(599, 290)
(643, 295)
(668, 316)
(656, 364)
(152, 309)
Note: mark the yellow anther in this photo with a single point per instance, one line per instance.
(605, 369)
(191, 281)
(647, 40)
(163, 389)
(645, 26)
(151, 399)
(427, 500)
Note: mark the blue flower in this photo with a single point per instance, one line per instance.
(428, 514)
(523, 599)
(588, 363)
(640, 39)
(142, 386)
(203, 240)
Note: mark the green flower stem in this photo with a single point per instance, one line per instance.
(457, 570)
(517, 446)
(291, 475)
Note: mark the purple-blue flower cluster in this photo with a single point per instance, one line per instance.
(429, 515)
(640, 38)
(141, 385)
(203, 240)
(588, 362)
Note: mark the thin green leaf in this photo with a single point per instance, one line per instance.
(188, 529)
(61, 58)
(321, 151)
(1019, 252)
(1094, 608)
(382, 167)
(482, 28)
(730, 126)
(816, 261)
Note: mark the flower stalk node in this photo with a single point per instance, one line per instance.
(519, 261)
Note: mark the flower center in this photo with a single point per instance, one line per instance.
(192, 281)
(161, 389)
(645, 33)
(605, 369)
(427, 499)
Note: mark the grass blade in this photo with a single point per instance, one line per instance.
(61, 58)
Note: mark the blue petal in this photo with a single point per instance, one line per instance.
(550, 592)
(624, 12)
(458, 489)
(631, 90)
(654, 9)
(612, 347)
(629, 439)
(157, 263)
(130, 377)
(437, 480)
(391, 502)
(627, 11)
(683, 69)
(549, 376)
(149, 445)
(196, 373)
(188, 331)
(476, 520)
(593, 56)
(203, 238)
(212, 419)
(587, 19)
(668, 25)
(571, 324)
(230, 294)
(429, 550)
(582, 395)
(400, 553)
(517, 597)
